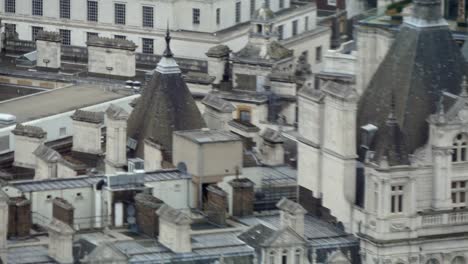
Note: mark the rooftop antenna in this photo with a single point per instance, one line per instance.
(168, 53)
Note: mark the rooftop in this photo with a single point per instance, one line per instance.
(45, 104)
(202, 136)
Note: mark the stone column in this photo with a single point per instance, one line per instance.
(442, 166)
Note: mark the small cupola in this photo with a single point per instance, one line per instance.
(262, 22)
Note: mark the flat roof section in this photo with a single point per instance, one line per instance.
(58, 101)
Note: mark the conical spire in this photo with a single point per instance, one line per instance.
(167, 64)
(168, 53)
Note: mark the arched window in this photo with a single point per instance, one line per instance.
(458, 260)
(272, 256)
(432, 261)
(284, 257)
(298, 256)
(459, 148)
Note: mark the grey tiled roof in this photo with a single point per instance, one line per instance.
(421, 63)
(47, 154)
(29, 255)
(29, 131)
(165, 106)
(88, 116)
(218, 103)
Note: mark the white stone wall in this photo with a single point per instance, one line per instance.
(87, 137)
(337, 62)
(216, 120)
(121, 61)
(61, 247)
(45, 170)
(116, 141)
(64, 171)
(153, 157)
(48, 51)
(175, 237)
(372, 46)
(175, 193)
(25, 146)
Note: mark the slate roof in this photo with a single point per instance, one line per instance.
(29, 131)
(257, 235)
(422, 62)
(218, 103)
(47, 154)
(165, 106)
(88, 116)
(264, 54)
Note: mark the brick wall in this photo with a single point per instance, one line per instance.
(242, 197)
(19, 218)
(216, 205)
(63, 211)
(146, 218)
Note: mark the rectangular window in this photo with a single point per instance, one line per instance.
(306, 23)
(280, 32)
(90, 35)
(267, 3)
(281, 4)
(65, 9)
(120, 37)
(34, 31)
(294, 28)
(4, 143)
(244, 116)
(148, 16)
(238, 12)
(65, 34)
(252, 7)
(459, 194)
(93, 11)
(63, 131)
(318, 54)
(10, 6)
(397, 199)
(218, 16)
(119, 14)
(37, 8)
(196, 16)
(148, 46)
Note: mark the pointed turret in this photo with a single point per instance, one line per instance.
(165, 106)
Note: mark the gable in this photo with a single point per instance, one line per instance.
(285, 237)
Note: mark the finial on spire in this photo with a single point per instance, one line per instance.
(168, 53)
(464, 87)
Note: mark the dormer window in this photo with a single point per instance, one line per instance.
(459, 148)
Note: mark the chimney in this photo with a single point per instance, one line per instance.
(116, 137)
(63, 211)
(87, 131)
(46, 162)
(218, 112)
(174, 229)
(19, 217)
(61, 241)
(216, 205)
(217, 62)
(242, 197)
(152, 154)
(3, 226)
(272, 148)
(48, 46)
(292, 215)
(27, 140)
(146, 218)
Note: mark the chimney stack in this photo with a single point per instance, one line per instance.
(153, 155)
(146, 217)
(61, 241)
(27, 140)
(87, 131)
(216, 206)
(174, 229)
(48, 46)
(19, 217)
(63, 211)
(116, 138)
(292, 215)
(242, 197)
